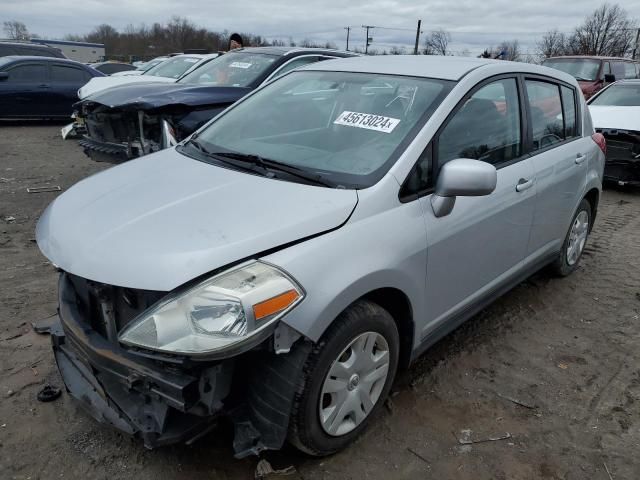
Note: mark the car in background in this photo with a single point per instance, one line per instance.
(594, 73)
(28, 49)
(616, 115)
(41, 87)
(169, 71)
(109, 68)
(282, 264)
(142, 67)
(130, 121)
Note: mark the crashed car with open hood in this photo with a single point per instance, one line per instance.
(130, 121)
(616, 115)
(279, 265)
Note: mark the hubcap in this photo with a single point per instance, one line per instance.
(354, 383)
(577, 237)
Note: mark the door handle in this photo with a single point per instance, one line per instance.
(44, 85)
(524, 184)
(580, 158)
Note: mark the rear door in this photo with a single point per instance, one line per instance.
(481, 244)
(559, 155)
(25, 90)
(66, 79)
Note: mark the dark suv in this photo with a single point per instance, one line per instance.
(594, 73)
(28, 49)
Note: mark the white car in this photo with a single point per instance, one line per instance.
(142, 67)
(616, 114)
(167, 71)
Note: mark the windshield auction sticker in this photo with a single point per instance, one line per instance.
(239, 65)
(369, 121)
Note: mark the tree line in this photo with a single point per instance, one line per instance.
(608, 31)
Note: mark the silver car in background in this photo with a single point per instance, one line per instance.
(281, 264)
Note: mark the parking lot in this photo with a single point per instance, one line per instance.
(543, 384)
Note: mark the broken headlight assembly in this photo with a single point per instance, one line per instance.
(222, 313)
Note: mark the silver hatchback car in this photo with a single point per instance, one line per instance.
(280, 265)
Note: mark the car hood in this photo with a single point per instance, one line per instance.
(149, 96)
(623, 118)
(99, 84)
(164, 219)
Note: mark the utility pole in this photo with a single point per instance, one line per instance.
(368, 39)
(635, 46)
(415, 49)
(348, 29)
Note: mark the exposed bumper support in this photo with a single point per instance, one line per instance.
(622, 164)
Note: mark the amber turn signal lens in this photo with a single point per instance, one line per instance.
(274, 305)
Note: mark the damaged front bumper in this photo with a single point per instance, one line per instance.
(171, 400)
(622, 164)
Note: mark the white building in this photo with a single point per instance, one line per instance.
(79, 51)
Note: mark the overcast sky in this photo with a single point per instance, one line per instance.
(474, 24)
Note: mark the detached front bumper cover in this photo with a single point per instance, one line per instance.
(166, 402)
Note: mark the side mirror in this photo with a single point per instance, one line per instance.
(609, 78)
(462, 177)
(3, 76)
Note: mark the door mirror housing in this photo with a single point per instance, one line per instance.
(462, 177)
(609, 78)
(3, 76)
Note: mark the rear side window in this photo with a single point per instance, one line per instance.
(486, 127)
(617, 68)
(546, 113)
(28, 74)
(630, 70)
(67, 74)
(569, 112)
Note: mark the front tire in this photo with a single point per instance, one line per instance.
(574, 242)
(345, 380)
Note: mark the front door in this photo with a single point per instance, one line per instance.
(481, 244)
(24, 91)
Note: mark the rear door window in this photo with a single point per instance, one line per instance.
(31, 73)
(569, 112)
(64, 74)
(486, 127)
(617, 68)
(545, 107)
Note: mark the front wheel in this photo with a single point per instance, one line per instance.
(574, 242)
(345, 380)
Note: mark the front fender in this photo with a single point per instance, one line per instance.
(384, 250)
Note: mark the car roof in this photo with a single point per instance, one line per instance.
(27, 44)
(428, 66)
(12, 58)
(433, 66)
(282, 51)
(590, 57)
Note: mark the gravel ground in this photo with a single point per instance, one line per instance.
(550, 372)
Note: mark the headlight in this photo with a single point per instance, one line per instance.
(224, 310)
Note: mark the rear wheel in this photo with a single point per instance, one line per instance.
(345, 380)
(575, 241)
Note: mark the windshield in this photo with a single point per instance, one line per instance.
(173, 68)
(619, 95)
(231, 70)
(150, 64)
(581, 69)
(345, 128)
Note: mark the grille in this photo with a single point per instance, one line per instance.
(107, 309)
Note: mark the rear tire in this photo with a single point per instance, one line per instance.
(574, 242)
(343, 383)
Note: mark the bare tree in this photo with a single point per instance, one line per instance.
(396, 51)
(437, 43)
(608, 31)
(552, 44)
(16, 30)
(508, 50)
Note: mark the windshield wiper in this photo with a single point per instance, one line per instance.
(243, 165)
(269, 164)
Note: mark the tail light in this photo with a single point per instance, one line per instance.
(600, 141)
